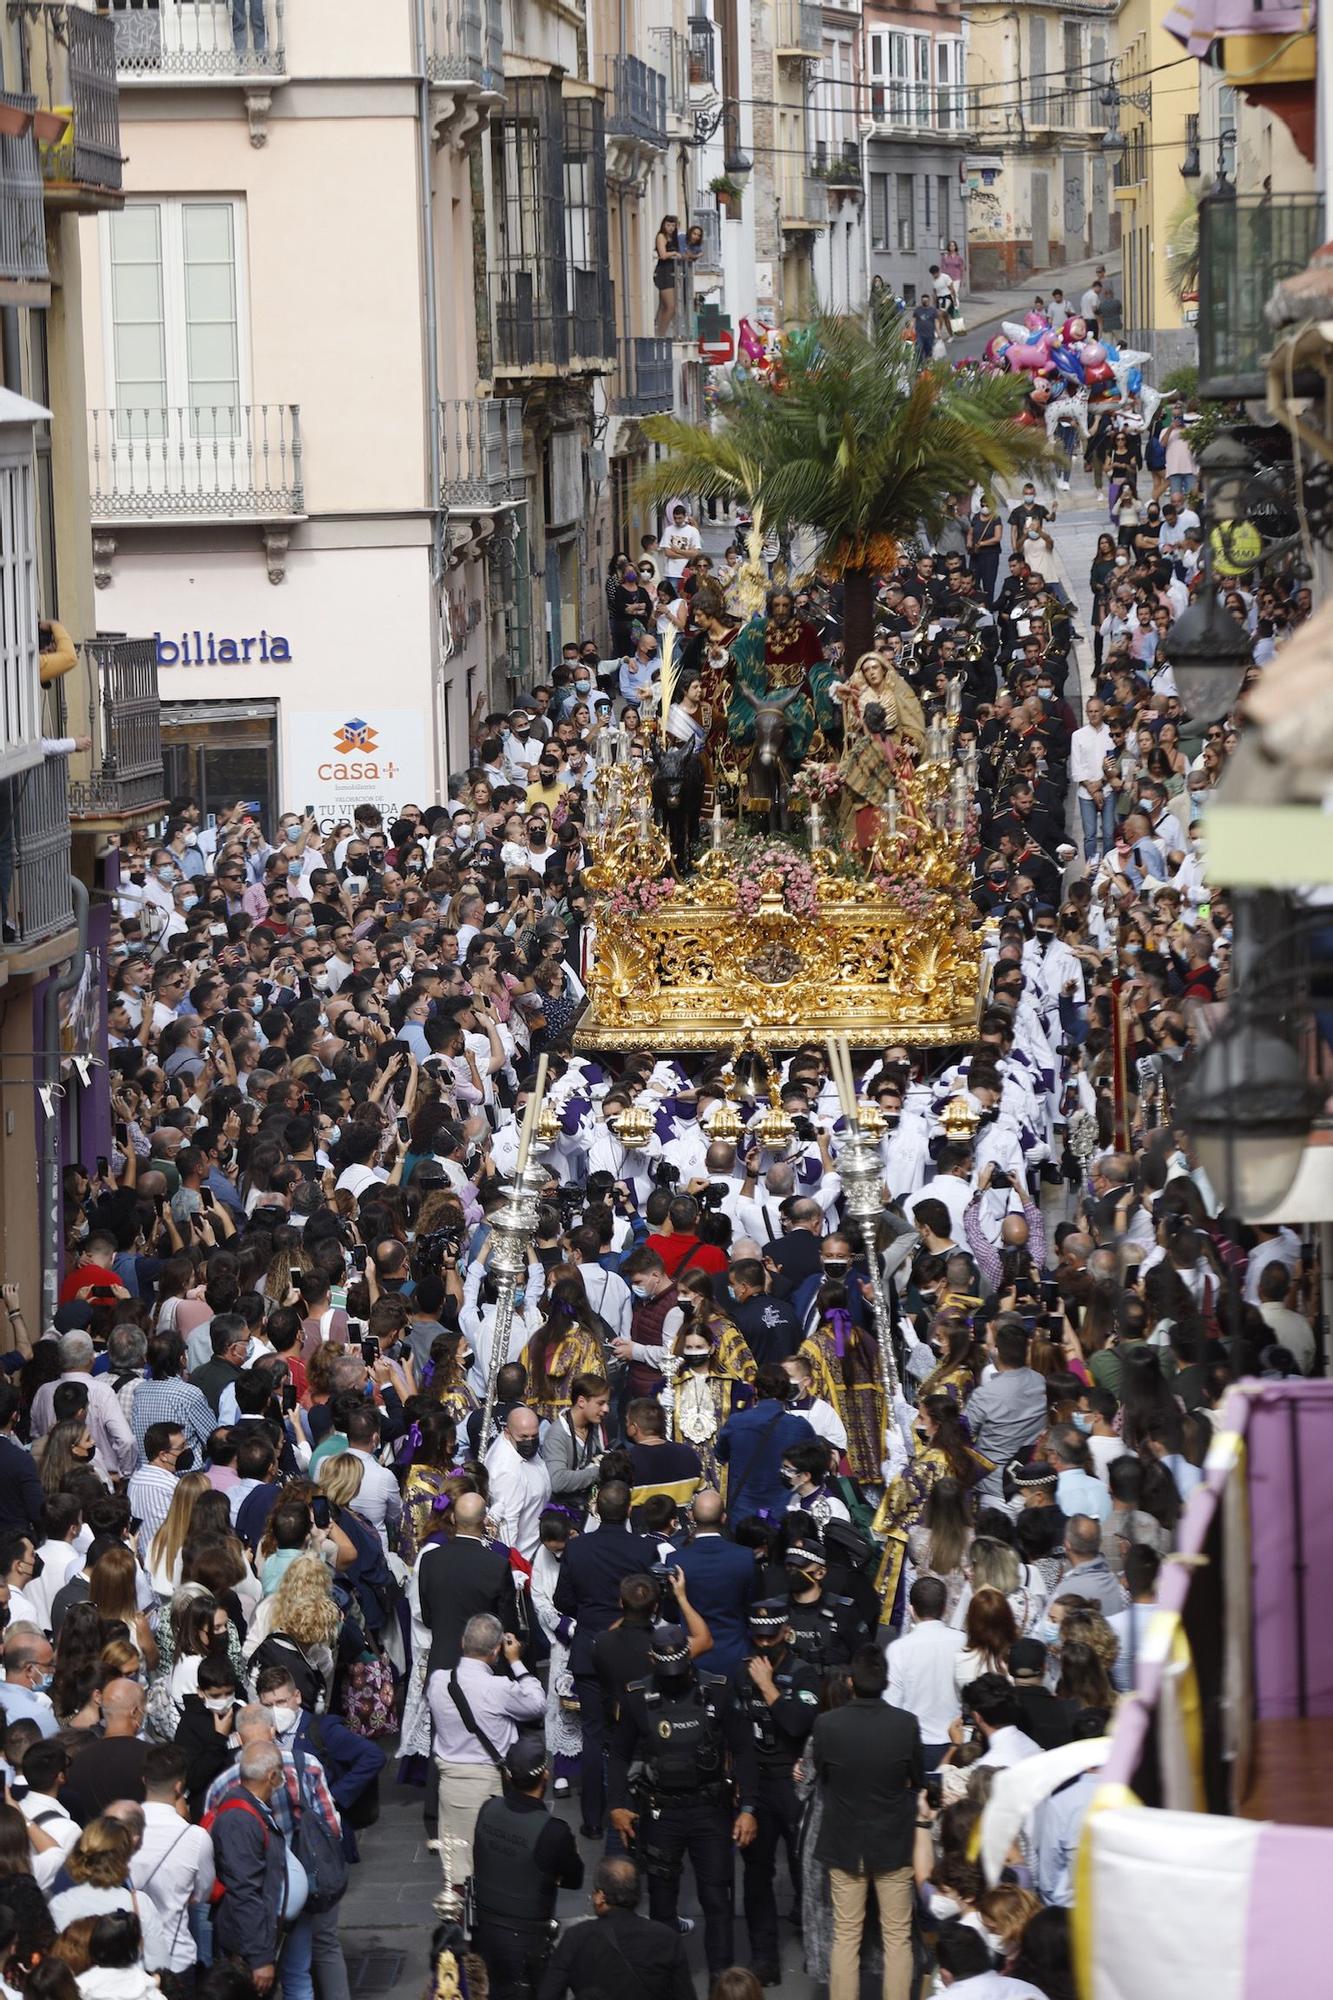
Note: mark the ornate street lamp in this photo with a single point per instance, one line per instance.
(1248, 1107)
(1208, 654)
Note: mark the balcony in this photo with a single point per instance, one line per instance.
(193, 41)
(126, 760)
(703, 61)
(1247, 245)
(671, 56)
(24, 277)
(465, 63)
(40, 902)
(840, 168)
(239, 462)
(798, 31)
(68, 59)
(536, 333)
(642, 384)
(636, 118)
(710, 254)
(481, 441)
(803, 201)
(898, 106)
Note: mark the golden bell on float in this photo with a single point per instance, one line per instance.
(726, 1124)
(960, 1119)
(870, 1119)
(633, 1127)
(547, 1129)
(775, 1129)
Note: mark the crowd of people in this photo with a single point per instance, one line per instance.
(699, 1577)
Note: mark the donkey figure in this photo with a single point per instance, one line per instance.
(768, 774)
(678, 791)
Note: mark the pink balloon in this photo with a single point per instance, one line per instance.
(1034, 322)
(1091, 351)
(1074, 330)
(995, 347)
(1031, 355)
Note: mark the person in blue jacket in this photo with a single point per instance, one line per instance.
(752, 1444)
(352, 1763)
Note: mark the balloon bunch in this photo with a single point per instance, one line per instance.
(1070, 371)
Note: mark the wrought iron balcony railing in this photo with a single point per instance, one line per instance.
(467, 42)
(238, 461)
(1247, 245)
(534, 328)
(635, 101)
(22, 217)
(642, 384)
(703, 61)
(126, 777)
(68, 59)
(481, 441)
(40, 901)
(199, 39)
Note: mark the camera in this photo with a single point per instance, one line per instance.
(666, 1596)
(713, 1196)
(1001, 1179)
(804, 1128)
(429, 1251)
(663, 1174)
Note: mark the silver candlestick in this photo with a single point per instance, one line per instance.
(862, 1171)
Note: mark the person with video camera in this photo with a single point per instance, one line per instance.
(522, 1856)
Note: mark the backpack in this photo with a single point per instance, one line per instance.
(318, 1849)
(279, 1649)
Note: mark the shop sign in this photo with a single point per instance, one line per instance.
(219, 649)
(341, 758)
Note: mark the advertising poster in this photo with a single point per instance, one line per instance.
(340, 758)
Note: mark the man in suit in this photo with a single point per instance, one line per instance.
(456, 1580)
(721, 1580)
(752, 1442)
(593, 1957)
(588, 1592)
(867, 1763)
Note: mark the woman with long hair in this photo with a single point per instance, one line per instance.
(35, 1931)
(996, 1565)
(112, 1592)
(937, 1546)
(666, 272)
(98, 1866)
(1146, 1400)
(366, 1573)
(432, 1441)
(566, 1344)
(1083, 1678)
(955, 1373)
(943, 1451)
(698, 1300)
(990, 1629)
(444, 1377)
(164, 1551)
(844, 1361)
(302, 1610)
(67, 1447)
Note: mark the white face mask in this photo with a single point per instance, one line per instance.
(284, 1718)
(219, 1704)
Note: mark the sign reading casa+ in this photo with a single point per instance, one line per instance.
(213, 649)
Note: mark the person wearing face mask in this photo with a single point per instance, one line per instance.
(805, 1474)
(520, 1482)
(28, 1658)
(705, 1394)
(351, 1763)
(779, 1694)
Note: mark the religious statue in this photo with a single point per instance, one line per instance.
(885, 734)
(782, 698)
(707, 654)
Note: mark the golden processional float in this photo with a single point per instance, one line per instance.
(783, 938)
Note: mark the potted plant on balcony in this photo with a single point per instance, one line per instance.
(50, 126)
(728, 192)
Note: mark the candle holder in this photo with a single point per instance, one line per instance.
(960, 1119)
(862, 1172)
(633, 1127)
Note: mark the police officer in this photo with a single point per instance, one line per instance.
(675, 1729)
(825, 1629)
(521, 1855)
(778, 1693)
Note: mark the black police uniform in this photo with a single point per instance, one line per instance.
(521, 1855)
(779, 1731)
(669, 1754)
(826, 1632)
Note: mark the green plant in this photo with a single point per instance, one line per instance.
(838, 173)
(722, 184)
(859, 444)
(1183, 381)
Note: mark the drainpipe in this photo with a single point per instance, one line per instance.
(432, 370)
(48, 1178)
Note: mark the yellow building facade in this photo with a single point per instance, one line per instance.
(1158, 114)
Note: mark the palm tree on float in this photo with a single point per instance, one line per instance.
(856, 443)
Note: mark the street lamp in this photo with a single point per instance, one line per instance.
(1208, 654)
(1248, 1107)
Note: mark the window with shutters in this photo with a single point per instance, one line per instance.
(905, 209)
(1038, 87)
(173, 283)
(949, 77)
(879, 211)
(923, 93)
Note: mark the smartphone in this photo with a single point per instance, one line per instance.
(122, 1133)
(934, 1790)
(206, 1197)
(394, 907)
(320, 1512)
(288, 1397)
(309, 812)
(359, 1256)
(1029, 1323)
(370, 1350)
(404, 1131)
(102, 1166)
(1050, 1292)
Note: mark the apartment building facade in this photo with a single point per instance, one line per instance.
(841, 268)
(1157, 114)
(915, 112)
(60, 161)
(1039, 175)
